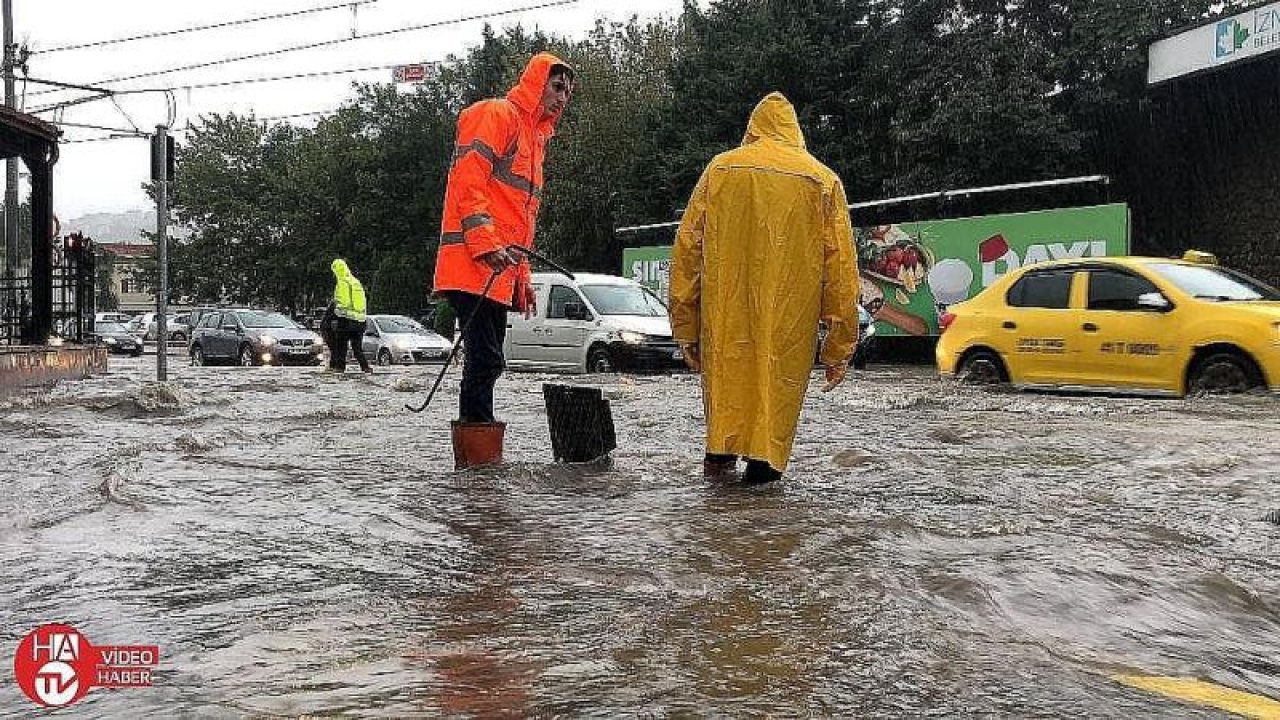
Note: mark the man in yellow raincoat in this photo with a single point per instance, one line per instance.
(764, 251)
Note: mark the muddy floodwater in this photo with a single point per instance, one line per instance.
(298, 544)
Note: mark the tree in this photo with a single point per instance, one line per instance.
(897, 97)
(105, 298)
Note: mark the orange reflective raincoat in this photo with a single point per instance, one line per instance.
(764, 250)
(495, 184)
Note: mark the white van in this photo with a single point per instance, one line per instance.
(594, 323)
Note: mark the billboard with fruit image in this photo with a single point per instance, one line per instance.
(911, 272)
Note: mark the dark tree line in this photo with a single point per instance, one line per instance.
(898, 97)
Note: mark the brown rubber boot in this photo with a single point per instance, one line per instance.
(477, 443)
(719, 466)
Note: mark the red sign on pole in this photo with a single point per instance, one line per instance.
(415, 73)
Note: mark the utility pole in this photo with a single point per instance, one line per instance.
(11, 164)
(160, 174)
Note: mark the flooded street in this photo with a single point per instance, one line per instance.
(299, 544)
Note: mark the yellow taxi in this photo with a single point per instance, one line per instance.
(1127, 324)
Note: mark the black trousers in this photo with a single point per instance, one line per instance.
(482, 335)
(347, 334)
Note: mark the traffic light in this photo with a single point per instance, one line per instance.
(165, 160)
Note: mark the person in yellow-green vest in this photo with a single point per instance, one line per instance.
(345, 319)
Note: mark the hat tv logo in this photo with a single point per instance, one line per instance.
(56, 665)
(1229, 37)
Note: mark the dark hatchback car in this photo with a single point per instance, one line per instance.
(253, 337)
(116, 338)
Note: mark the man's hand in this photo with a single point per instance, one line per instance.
(530, 304)
(499, 260)
(835, 376)
(689, 351)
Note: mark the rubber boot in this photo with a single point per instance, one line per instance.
(760, 472)
(477, 443)
(719, 466)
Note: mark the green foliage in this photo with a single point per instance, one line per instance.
(897, 97)
(105, 299)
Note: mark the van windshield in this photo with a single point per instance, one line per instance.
(624, 300)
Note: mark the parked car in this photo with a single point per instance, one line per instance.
(144, 327)
(114, 317)
(397, 339)
(196, 314)
(1119, 323)
(116, 338)
(253, 337)
(596, 323)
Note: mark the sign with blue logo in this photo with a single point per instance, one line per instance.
(1241, 37)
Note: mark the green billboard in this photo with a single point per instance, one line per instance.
(649, 266)
(912, 271)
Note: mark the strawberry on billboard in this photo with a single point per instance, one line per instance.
(911, 272)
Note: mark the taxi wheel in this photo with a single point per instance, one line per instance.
(197, 356)
(1223, 372)
(384, 357)
(983, 368)
(246, 356)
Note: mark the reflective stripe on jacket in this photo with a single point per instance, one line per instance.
(348, 293)
(495, 184)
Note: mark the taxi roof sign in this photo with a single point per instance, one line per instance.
(1200, 257)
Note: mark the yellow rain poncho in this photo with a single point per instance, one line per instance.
(764, 250)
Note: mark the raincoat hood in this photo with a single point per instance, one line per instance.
(348, 294)
(527, 94)
(774, 119)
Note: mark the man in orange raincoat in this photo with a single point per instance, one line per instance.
(764, 251)
(491, 203)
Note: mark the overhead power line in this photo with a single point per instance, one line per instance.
(84, 126)
(326, 43)
(128, 134)
(103, 138)
(205, 86)
(313, 113)
(215, 26)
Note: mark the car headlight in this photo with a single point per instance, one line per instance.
(266, 340)
(631, 338)
(109, 341)
(400, 345)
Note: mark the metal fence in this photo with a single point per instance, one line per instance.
(72, 308)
